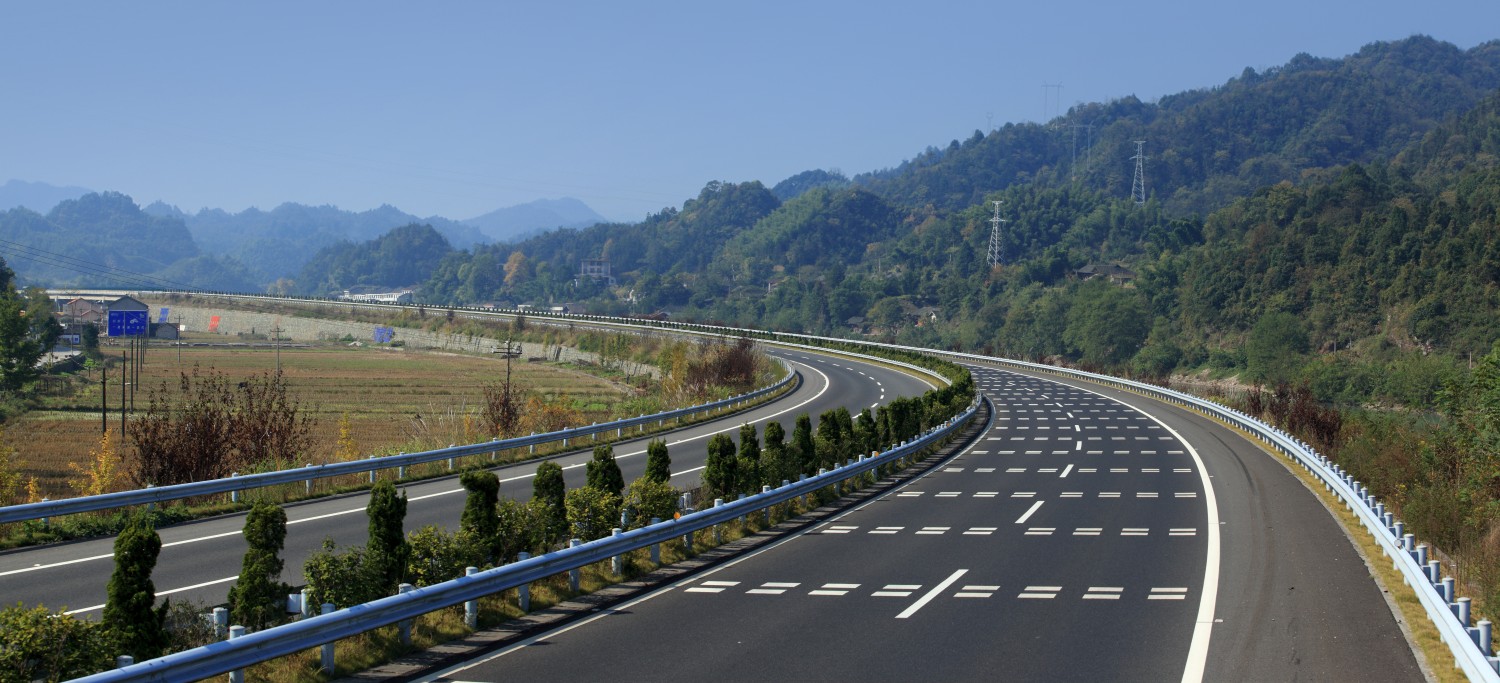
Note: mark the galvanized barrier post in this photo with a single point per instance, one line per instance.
(655, 547)
(405, 624)
(238, 675)
(617, 563)
(328, 664)
(575, 574)
(523, 591)
(471, 607)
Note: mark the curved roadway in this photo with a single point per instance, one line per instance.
(1090, 534)
(199, 560)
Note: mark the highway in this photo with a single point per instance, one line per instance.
(1090, 534)
(199, 560)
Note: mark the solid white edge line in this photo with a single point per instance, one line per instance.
(922, 601)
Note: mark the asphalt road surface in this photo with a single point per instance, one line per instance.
(1090, 534)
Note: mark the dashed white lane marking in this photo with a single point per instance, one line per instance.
(1015, 470)
(772, 588)
(1186, 494)
(1087, 531)
(711, 587)
(936, 590)
(976, 591)
(1040, 592)
(1145, 494)
(1070, 494)
(1167, 594)
(947, 494)
(953, 470)
(843, 529)
(887, 529)
(1134, 531)
(1182, 532)
(1109, 494)
(908, 494)
(933, 530)
(985, 470)
(834, 589)
(1103, 593)
(1023, 494)
(1030, 512)
(986, 494)
(980, 531)
(1040, 530)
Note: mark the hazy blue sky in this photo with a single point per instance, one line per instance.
(459, 108)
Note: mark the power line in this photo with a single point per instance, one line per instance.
(84, 267)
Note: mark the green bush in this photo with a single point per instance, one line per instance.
(592, 513)
(437, 555)
(647, 498)
(37, 645)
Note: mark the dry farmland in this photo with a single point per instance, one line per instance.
(395, 399)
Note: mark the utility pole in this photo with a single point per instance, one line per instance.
(1138, 185)
(103, 398)
(125, 375)
(277, 331)
(996, 253)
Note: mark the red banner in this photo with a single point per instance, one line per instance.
(213, 323)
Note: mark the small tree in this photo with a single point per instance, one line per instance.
(830, 439)
(647, 498)
(340, 578)
(386, 551)
(604, 473)
(347, 448)
(592, 513)
(550, 492)
(747, 469)
(479, 521)
(775, 463)
(136, 626)
(802, 445)
(37, 645)
(719, 467)
(100, 474)
(658, 463)
(518, 529)
(90, 339)
(258, 598)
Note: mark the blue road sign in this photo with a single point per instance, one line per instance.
(163, 319)
(127, 323)
(384, 335)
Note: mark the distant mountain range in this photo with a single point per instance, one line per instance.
(268, 245)
(524, 220)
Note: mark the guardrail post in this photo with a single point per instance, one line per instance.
(221, 622)
(718, 530)
(575, 574)
(1434, 571)
(471, 607)
(307, 484)
(306, 605)
(493, 454)
(123, 661)
(616, 563)
(1421, 555)
(1447, 588)
(372, 472)
(1462, 610)
(765, 488)
(1484, 636)
(238, 675)
(523, 591)
(328, 664)
(532, 448)
(404, 625)
(802, 499)
(655, 547)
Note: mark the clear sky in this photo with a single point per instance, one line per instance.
(457, 108)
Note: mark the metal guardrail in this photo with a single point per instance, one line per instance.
(238, 653)
(68, 506)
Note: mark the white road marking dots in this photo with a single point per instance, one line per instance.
(1089, 470)
(1145, 494)
(1030, 512)
(886, 529)
(1186, 494)
(986, 494)
(936, 590)
(1047, 470)
(896, 590)
(1150, 470)
(1015, 470)
(772, 588)
(954, 470)
(933, 530)
(1040, 531)
(980, 530)
(1109, 494)
(947, 494)
(1103, 593)
(985, 470)
(1119, 470)
(1183, 532)
(1087, 531)
(1040, 592)
(1023, 494)
(1134, 531)
(1182, 470)
(1167, 594)
(839, 529)
(1070, 494)
(908, 494)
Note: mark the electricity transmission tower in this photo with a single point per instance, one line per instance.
(1138, 186)
(996, 254)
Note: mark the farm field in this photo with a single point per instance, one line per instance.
(395, 399)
